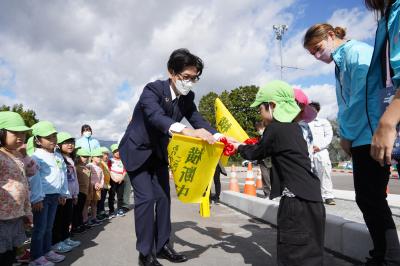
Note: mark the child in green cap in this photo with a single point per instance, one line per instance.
(97, 183)
(15, 168)
(49, 187)
(301, 214)
(80, 216)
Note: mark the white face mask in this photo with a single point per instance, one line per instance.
(87, 134)
(325, 55)
(183, 86)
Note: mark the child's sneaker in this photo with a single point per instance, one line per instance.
(79, 230)
(24, 258)
(120, 213)
(72, 243)
(112, 215)
(61, 247)
(94, 222)
(42, 261)
(54, 257)
(100, 217)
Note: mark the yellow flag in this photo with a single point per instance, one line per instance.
(192, 162)
(226, 124)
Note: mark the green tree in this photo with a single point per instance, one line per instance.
(28, 115)
(206, 107)
(238, 102)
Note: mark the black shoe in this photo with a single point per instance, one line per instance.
(78, 230)
(149, 260)
(374, 262)
(170, 254)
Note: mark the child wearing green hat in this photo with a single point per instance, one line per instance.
(61, 229)
(97, 183)
(49, 187)
(118, 174)
(301, 213)
(83, 175)
(15, 207)
(101, 213)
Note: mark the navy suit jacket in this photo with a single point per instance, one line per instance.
(148, 131)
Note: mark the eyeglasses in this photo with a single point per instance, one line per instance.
(188, 77)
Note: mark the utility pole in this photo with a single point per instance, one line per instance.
(279, 32)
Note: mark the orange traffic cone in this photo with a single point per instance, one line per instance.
(233, 184)
(249, 186)
(259, 180)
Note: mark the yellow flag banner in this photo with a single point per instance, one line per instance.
(192, 162)
(227, 124)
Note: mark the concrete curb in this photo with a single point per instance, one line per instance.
(345, 237)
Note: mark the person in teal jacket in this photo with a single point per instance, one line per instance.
(87, 141)
(358, 117)
(387, 35)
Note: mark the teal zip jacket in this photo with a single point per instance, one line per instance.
(376, 79)
(352, 61)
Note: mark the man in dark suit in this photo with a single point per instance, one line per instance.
(143, 150)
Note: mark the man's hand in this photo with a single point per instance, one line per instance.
(346, 146)
(199, 133)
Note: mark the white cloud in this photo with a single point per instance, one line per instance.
(324, 94)
(70, 58)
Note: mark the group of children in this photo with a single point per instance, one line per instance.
(50, 189)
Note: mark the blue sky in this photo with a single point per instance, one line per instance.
(94, 69)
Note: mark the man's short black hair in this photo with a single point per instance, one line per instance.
(86, 127)
(315, 105)
(3, 134)
(182, 58)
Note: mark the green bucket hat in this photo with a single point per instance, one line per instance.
(282, 94)
(114, 147)
(63, 136)
(12, 121)
(30, 149)
(96, 153)
(43, 129)
(104, 150)
(83, 152)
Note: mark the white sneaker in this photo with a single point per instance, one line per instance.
(72, 243)
(41, 261)
(54, 257)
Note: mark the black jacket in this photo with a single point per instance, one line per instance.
(291, 166)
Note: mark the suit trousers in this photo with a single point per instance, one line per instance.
(152, 205)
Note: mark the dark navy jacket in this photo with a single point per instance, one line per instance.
(147, 133)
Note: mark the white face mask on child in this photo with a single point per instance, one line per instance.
(87, 134)
(183, 86)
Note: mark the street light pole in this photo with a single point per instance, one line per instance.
(279, 32)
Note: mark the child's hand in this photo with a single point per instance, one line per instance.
(97, 186)
(75, 201)
(28, 220)
(37, 207)
(62, 200)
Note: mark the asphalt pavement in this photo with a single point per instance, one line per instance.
(228, 237)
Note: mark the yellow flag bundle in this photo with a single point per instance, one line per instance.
(192, 162)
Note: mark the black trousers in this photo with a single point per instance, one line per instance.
(265, 177)
(152, 205)
(77, 219)
(100, 203)
(301, 230)
(62, 222)
(8, 258)
(217, 182)
(115, 189)
(370, 182)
